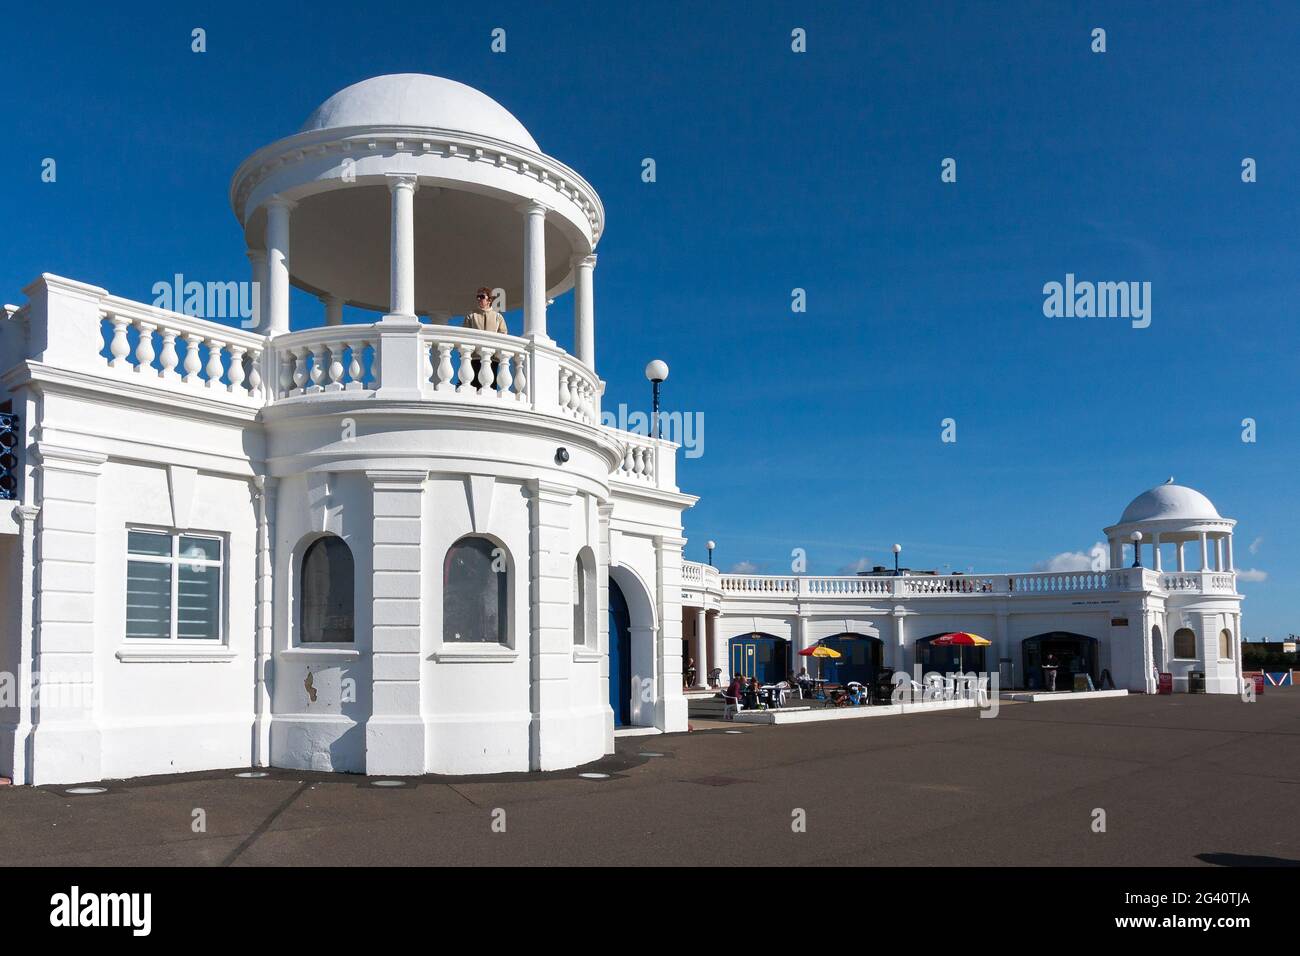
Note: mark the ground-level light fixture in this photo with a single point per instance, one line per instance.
(657, 372)
(594, 776)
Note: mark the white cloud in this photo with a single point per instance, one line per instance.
(1252, 574)
(1254, 545)
(744, 567)
(862, 564)
(1094, 560)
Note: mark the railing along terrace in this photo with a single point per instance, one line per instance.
(972, 585)
(154, 346)
(699, 575)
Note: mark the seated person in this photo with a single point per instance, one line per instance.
(804, 681)
(751, 693)
(857, 694)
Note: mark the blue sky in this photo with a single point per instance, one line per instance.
(778, 170)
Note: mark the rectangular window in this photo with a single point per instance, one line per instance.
(173, 586)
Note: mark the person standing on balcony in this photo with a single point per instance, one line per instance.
(485, 319)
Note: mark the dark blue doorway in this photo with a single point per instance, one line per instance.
(859, 659)
(1072, 653)
(948, 659)
(763, 656)
(620, 656)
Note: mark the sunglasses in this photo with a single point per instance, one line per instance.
(485, 297)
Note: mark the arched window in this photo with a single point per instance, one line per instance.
(1225, 645)
(1185, 644)
(325, 594)
(475, 584)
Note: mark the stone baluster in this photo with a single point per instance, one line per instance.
(521, 376)
(236, 374)
(504, 378)
(255, 373)
(119, 348)
(564, 390)
(485, 368)
(299, 371)
(192, 363)
(214, 368)
(144, 353)
(426, 356)
(354, 365)
(317, 373)
(444, 368)
(466, 368)
(336, 368)
(168, 358)
(286, 368)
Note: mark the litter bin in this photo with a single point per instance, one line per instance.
(883, 692)
(1196, 682)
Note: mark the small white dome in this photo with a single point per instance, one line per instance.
(1170, 501)
(417, 99)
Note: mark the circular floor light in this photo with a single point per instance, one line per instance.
(652, 753)
(252, 774)
(85, 791)
(594, 776)
(733, 731)
(388, 783)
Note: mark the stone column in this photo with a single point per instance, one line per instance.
(534, 269)
(1205, 552)
(550, 623)
(901, 657)
(395, 733)
(701, 649)
(670, 705)
(65, 737)
(1116, 554)
(1182, 558)
(1218, 553)
(603, 512)
(257, 258)
(277, 264)
(1155, 551)
(266, 498)
(1227, 546)
(333, 309)
(20, 772)
(717, 648)
(401, 295)
(584, 311)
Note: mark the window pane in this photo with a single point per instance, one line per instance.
(579, 604)
(149, 542)
(148, 600)
(198, 604)
(326, 593)
(473, 595)
(201, 548)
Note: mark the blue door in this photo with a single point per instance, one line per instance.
(620, 657)
(762, 656)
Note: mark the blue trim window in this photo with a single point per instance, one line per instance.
(8, 456)
(173, 586)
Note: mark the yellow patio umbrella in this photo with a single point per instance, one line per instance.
(961, 639)
(819, 650)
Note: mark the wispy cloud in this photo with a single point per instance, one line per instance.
(1095, 558)
(1254, 545)
(1252, 574)
(744, 567)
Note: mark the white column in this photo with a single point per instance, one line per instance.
(1218, 553)
(1182, 558)
(1205, 552)
(534, 269)
(551, 734)
(718, 648)
(277, 264)
(1155, 551)
(265, 590)
(401, 295)
(1116, 554)
(333, 309)
(1228, 549)
(701, 649)
(584, 311)
(257, 257)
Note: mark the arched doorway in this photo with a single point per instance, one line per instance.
(764, 656)
(949, 659)
(860, 659)
(632, 688)
(1073, 654)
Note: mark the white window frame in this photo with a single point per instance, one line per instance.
(175, 560)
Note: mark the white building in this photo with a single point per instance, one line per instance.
(398, 547)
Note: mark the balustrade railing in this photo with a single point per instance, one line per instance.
(472, 365)
(639, 458)
(160, 347)
(333, 359)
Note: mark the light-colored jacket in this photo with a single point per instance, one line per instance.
(489, 321)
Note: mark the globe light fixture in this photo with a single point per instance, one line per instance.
(657, 372)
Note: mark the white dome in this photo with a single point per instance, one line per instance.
(1169, 501)
(417, 99)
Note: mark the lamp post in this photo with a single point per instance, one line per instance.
(1136, 538)
(710, 545)
(897, 549)
(657, 373)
